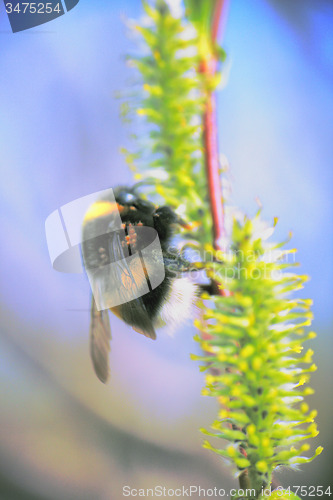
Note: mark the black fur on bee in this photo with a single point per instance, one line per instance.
(104, 243)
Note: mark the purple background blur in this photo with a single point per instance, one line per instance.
(62, 433)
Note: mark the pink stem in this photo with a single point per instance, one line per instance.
(208, 68)
(212, 160)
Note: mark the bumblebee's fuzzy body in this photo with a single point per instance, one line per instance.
(169, 303)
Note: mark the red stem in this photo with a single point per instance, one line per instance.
(212, 159)
(209, 67)
(216, 22)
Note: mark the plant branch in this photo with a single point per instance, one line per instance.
(208, 69)
(212, 160)
(219, 18)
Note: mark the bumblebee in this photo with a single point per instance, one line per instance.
(138, 277)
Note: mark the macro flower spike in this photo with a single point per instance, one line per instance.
(255, 337)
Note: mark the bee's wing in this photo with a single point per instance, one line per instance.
(133, 311)
(136, 315)
(100, 336)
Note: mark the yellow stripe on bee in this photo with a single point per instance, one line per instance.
(100, 209)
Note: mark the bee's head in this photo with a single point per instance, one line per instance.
(166, 221)
(125, 195)
(129, 197)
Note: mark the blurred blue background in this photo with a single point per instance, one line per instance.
(62, 433)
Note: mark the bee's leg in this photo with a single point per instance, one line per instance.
(189, 244)
(208, 288)
(178, 264)
(131, 238)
